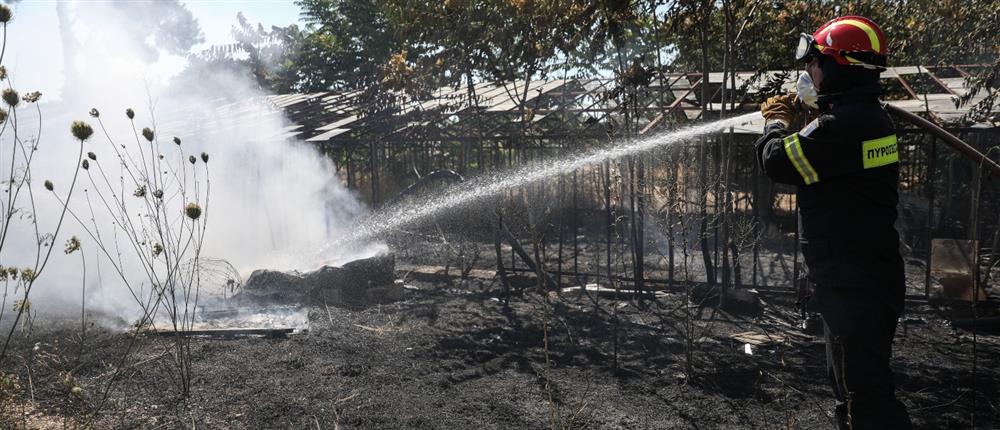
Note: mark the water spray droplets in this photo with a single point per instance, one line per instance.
(479, 188)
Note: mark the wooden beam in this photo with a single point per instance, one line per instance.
(228, 332)
(906, 86)
(516, 246)
(939, 81)
(670, 109)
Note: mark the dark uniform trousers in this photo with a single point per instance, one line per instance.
(846, 167)
(859, 325)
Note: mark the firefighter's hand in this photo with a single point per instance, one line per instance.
(803, 111)
(779, 108)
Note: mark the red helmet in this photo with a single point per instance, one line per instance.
(850, 40)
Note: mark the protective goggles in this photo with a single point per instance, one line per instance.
(806, 49)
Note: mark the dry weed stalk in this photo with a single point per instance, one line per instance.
(557, 419)
(19, 205)
(163, 222)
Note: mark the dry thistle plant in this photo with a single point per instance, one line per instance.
(81, 130)
(170, 198)
(18, 209)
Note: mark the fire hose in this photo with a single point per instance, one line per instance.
(964, 148)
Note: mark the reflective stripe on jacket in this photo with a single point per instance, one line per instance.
(846, 167)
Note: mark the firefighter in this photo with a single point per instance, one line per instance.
(845, 164)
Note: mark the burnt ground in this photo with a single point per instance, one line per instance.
(459, 358)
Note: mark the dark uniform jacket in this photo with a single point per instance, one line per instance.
(846, 166)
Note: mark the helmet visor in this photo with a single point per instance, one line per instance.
(806, 48)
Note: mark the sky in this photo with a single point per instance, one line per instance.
(218, 16)
(33, 49)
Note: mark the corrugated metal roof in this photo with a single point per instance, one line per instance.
(338, 116)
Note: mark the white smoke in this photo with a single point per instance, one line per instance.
(274, 202)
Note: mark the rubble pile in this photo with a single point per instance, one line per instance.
(357, 284)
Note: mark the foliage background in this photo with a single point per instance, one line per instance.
(417, 45)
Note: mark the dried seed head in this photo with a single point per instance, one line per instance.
(3, 72)
(94, 113)
(11, 97)
(3, 115)
(204, 157)
(22, 305)
(157, 249)
(81, 130)
(28, 274)
(32, 97)
(129, 113)
(140, 192)
(158, 194)
(192, 159)
(48, 185)
(177, 140)
(85, 164)
(92, 156)
(5, 14)
(72, 245)
(147, 133)
(192, 210)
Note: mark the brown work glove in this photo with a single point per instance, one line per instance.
(780, 108)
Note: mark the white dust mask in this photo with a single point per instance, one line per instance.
(807, 91)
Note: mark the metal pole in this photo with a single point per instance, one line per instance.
(956, 143)
(931, 168)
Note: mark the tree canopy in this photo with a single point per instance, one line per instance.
(414, 45)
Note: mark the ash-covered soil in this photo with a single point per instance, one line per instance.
(449, 358)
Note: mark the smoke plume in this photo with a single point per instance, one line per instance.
(274, 201)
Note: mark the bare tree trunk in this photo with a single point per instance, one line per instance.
(69, 47)
(373, 165)
(702, 157)
(725, 164)
(609, 219)
(501, 272)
